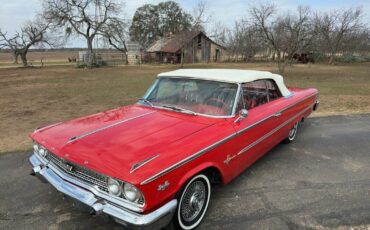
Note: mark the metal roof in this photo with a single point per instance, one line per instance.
(173, 43)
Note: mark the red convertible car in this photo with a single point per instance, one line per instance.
(151, 165)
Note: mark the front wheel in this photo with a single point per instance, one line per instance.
(292, 133)
(193, 202)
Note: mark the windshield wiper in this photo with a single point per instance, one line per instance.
(175, 108)
(146, 101)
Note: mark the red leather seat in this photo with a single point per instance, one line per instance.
(251, 103)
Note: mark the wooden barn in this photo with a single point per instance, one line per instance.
(197, 48)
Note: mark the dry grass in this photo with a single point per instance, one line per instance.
(35, 57)
(34, 97)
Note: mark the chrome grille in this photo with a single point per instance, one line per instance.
(79, 172)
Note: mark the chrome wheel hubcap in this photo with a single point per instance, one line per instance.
(193, 201)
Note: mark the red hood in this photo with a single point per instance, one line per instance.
(112, 142)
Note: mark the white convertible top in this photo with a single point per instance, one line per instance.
(229, 75)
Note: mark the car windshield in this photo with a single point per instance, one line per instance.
(192, 96)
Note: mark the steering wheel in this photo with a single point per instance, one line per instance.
(216, 102)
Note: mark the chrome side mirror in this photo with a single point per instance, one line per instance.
(243, 113)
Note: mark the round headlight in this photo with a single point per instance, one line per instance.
(131, 193)
(42, 152)
(114, 187)
(35, 147)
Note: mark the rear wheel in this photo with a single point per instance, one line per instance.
(292, 133)
(193, 202)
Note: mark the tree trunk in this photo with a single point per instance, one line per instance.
(126, 56)
(273, 56)
(90, 51)
(15, 58)
(331, 59)
(281, 66)
(182, 58)
(281, 63)
(24, 58)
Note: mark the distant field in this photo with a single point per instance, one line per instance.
(30, 98)
(35, 57)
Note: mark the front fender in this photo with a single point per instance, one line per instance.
(196, 170)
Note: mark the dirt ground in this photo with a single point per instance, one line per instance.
(34, 97)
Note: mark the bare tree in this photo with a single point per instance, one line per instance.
(272, 30)
(244, 41)
(358, 42)
(299, 31)
(285, 34)
(33, 33)
(7, 42)
(115, 33)
(200, 16)
(78, 17)
(335, 26)
(220, 33)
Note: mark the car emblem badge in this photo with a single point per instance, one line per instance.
(228, 159)
(163, 186)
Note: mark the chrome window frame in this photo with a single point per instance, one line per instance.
(233, 112)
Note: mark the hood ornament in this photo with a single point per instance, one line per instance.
(140, 164)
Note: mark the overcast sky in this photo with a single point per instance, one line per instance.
(13, 13)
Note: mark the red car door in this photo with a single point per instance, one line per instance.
(255, 133)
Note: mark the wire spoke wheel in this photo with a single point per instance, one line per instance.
(194, 199)
(194, 202)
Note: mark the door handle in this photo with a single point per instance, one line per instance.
(277, 114)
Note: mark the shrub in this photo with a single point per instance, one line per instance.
(352, 59)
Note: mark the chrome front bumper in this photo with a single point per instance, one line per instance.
(316, 105)
(132, 220)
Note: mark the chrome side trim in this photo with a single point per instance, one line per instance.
(273, 131)
(45, 127)
(140, 164)
(214, 145)
(72, 139)
(255, 124)
(275, 114)
(186, 160)
(292, 105)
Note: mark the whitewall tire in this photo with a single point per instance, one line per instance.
(194, 202)
(292, 133)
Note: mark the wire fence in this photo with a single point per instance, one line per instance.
(102, 59)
